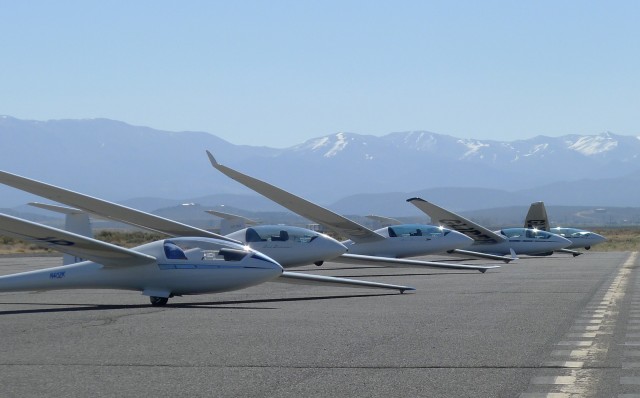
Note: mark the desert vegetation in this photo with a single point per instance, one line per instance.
(618, 239)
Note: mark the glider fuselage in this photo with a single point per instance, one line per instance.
(207, 267)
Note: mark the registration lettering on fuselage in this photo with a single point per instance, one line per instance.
(57, 275)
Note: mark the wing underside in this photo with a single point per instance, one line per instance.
(66, 242)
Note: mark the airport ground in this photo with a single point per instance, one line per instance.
(551, 325)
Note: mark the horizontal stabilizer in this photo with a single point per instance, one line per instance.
(232, 217)
(385, 221)
(308, 279)
(66, 242)
(405, 262)
(57, 208)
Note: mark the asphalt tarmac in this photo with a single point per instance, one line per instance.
(541, 327)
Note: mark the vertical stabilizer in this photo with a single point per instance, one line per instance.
(537, 217)
(76, 221)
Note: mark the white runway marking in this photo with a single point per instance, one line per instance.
(553, 380)
(576, 343)
(579, 375)
(583, 335)
(630, 382)
(564, 364)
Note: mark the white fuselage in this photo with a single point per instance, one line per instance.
(195, 274)
(523, 241)
(290, 246)
(579, 238)
(400, 245)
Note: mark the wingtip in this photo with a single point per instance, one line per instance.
(513, 257)
(417, 199)
(213, 160)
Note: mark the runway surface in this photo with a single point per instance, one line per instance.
(541, 327)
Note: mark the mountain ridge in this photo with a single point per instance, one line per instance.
(118, 161)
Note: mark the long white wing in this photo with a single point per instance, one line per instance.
(488, 256)
(537, 217)
(303, 207)
(405, 262)
(456, 222)
(105, 208)
(66, 242)
(308, 279)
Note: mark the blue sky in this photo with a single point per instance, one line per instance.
(277, 73)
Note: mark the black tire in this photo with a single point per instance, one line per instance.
(158, 301)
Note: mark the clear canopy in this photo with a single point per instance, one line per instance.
(570, 232)
(203, 249)
(416, 230)
(526, 233)
(279, 233)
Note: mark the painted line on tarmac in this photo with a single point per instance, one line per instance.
(570, 370)
(630, 375)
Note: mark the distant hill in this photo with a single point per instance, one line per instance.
(120, 162)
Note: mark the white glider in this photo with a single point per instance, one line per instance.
(300, 247)
(386, 245)
(101, 255)
(161, 269)
(505, 241)
(537, 218)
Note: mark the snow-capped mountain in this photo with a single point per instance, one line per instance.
(588, 147)
(119, 161)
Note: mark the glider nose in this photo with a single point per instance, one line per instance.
(597, 238)
(458, 240)
(269, 266)
(562, 242)
(328, 247)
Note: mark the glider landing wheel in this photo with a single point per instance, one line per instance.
(158, 301)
